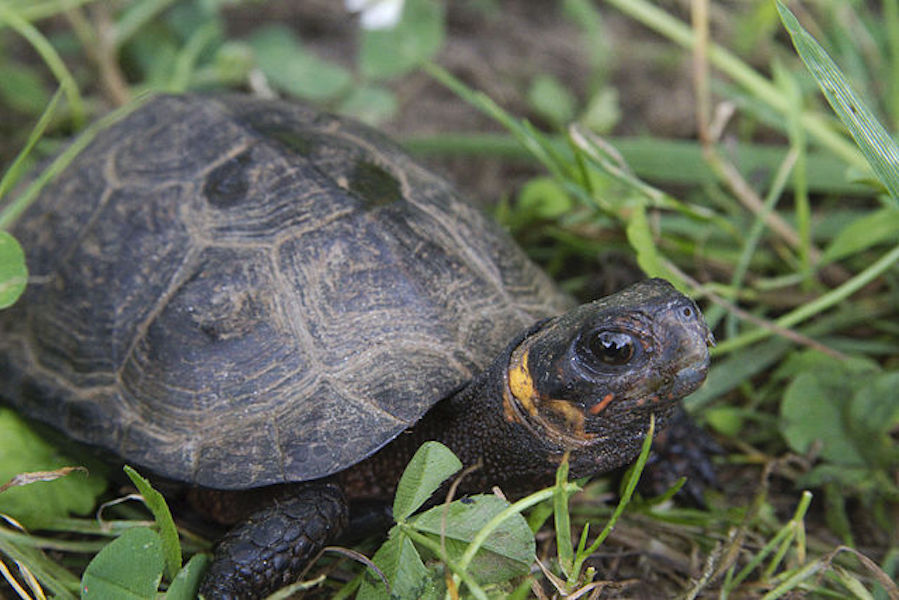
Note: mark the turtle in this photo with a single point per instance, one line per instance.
(261, 300)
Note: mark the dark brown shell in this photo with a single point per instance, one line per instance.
(237, 292)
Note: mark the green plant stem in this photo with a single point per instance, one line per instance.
(816, 125)
(45, 543)
(654, 159)
(562, 520)
(806, 572)
(755, 236)
(136, 17)
(38, 10)
(536, 143)
(516, 507)
(459, 573)
(818, 305)
(11, 212)
(802, 211)
(783, 536)
(633, 477)
(50, 57)
(187, 58)
(14, 171)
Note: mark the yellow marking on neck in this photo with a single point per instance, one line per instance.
(522, 385)
(558, 420)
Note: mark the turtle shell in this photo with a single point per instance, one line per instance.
(237, 292)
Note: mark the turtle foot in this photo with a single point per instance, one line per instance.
(682, 449)
(275, 544)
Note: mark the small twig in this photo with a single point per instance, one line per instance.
(290, 590)
(114, 502)
(879, 574)
(709, 135)
(33, 476)
(709, 573)
(554, 579)
(98, 40)
(700, 20)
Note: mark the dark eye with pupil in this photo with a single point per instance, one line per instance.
(612, 348)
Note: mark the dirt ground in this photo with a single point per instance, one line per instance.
(499, 51)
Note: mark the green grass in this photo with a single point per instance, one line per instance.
(782, 221)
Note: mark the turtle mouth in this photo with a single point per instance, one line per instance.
(690, 378)
(650, 394)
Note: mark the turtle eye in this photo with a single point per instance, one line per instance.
(612, 347)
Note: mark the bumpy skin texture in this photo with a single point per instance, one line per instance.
(270, 549)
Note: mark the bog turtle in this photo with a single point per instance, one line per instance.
(241, 293)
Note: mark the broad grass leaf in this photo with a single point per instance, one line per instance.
(401, 564)
(385, 53)
(432, 464)
(829, 367)
(187, 582)
(874, 412)
(23, 88)
(167, 530)
(813, 411)
(294, 69)
(639, 236)
(875, 228)
(13, 272)
(128, 568)
(510, 549)
(843, 408)
(370, 104)
(551, 99)
(725, 375)
(544, 198)
(825, 473)
(876, 404)
(872, 139)
(38, 504)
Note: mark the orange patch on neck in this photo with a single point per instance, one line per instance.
(599, 406)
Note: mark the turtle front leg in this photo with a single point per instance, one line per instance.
(681, 449)
(272, 547)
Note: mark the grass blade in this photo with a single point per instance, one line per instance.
(872, 139)
(15, 170)
(168, 533)
(50, 57)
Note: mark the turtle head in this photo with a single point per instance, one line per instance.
(592, 377)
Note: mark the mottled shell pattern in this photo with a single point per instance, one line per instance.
(236, 292)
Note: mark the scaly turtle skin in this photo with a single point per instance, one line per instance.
(239, 293)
